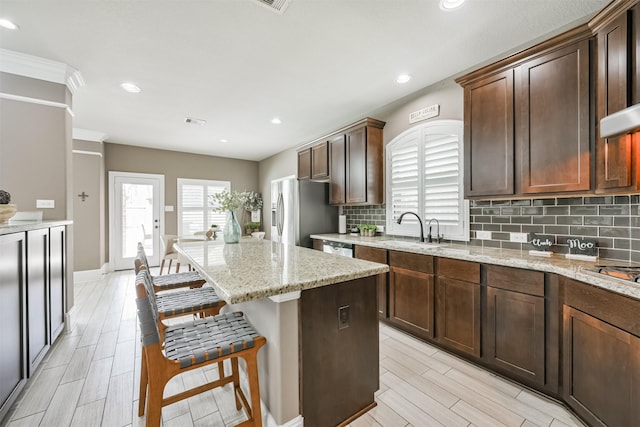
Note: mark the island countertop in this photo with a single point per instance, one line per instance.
(255, 269)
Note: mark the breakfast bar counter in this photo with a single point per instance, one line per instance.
(318, 312)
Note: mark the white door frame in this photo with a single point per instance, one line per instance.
(112, 196)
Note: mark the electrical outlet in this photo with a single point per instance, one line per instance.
(381, 228)
(483, 235)
(519, 237)
(344, 317)
(45, 204)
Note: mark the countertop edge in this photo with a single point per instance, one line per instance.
(572, 269)
(32, 225)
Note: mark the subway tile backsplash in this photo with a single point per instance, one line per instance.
(613, 221)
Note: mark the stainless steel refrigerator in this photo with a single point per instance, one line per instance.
(299, 209)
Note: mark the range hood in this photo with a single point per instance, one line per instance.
(624, 121)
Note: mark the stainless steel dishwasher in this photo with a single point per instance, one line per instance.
(342, 249)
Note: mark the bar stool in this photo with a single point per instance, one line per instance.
(169, 252)
(194, 345)
(188, 279)
(200, 302)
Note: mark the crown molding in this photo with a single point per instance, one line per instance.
(39, 68)
(89, 135)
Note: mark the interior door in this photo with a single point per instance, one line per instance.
(135, 207)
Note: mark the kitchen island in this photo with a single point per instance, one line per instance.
(318, 313)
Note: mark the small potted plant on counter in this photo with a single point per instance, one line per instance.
(7, 209)
(368, 230)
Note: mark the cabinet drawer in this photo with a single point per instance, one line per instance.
(371, 254)
(415, 262)
(515, 279)
(457, 269)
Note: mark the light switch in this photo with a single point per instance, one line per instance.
(168, 208)
(45, 204)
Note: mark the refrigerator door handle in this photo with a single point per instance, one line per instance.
(280, 214)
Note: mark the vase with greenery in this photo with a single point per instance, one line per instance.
(7, 209)
(229, 202)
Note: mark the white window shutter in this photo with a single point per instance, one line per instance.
(194, 212)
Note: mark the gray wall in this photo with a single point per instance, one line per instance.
(243, 174)
(89, 215)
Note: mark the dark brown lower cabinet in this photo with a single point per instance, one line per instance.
(411, 293)
(13, 320)
(515, 339)
(458, 305)
(601, 355)
(380, 256)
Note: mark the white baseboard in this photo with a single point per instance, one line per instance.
(70, 319)
(89, 275)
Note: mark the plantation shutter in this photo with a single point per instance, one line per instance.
(194, 212)
(403, 182)
(442, 182)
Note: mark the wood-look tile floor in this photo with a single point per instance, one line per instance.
(90, 377)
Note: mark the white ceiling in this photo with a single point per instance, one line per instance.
(319, 66)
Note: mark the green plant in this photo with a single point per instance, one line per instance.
(5, 197)
(226, 201)
(214, 225)
(251, 200)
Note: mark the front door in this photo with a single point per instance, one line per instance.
(135, 208)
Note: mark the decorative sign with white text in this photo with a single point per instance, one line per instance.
(541, 242)
(582, 246)
(425, 113)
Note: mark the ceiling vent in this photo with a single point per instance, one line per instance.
(276, 5)
(192, 121)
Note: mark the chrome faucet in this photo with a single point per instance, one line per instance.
(438, 237)
(419, 220)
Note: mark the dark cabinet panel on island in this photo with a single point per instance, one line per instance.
(411, 293)
(57, 272)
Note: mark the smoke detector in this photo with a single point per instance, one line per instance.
(276, 5)
(192, 121)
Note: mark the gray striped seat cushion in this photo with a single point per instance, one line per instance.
(176, 280)
(184, 302)
(206, 339)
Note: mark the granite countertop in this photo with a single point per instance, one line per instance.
(558, 264)
(21, 226)
(255, 269)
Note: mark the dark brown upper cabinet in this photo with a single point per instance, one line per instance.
(527, 122)
(488, 136)
(356, 175)
(617, 157)
(552, 121)
(313, 162)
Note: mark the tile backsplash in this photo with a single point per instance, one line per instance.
(613, 221)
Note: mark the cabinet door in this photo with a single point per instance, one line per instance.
(552, 121)
(516, 333)
(411, 301)
(601, 370)
(57, 271)
(320, 161)
(356, 166)
(615, 165)
(488, 136)
(337, 179)
(458, 315)
(13, 369)
(304, 164)
(377, 255)
(38, 295)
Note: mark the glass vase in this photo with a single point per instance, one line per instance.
(231, 232)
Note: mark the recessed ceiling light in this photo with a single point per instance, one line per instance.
(450, 4)
(403, 78)
(224, 140)
(5, 23)
(130, 87)
(276, 121)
